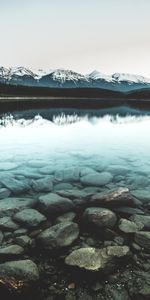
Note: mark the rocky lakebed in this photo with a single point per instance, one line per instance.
(76, 233)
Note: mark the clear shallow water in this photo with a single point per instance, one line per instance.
(118, 145)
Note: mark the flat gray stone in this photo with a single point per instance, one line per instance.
(53, 204)
(143, 195)
(29, 217)
(6, 223)
(128, 226)
(63, 186)
(11, 251)
(96, 179)
(12, 205)
(58, 236)
(129, 210)
(93, 259)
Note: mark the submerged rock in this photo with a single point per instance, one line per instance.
(53, 204)
(96, 179)
(145, 220)
(58, 236)
(29, 217)
(139, 286)
(67, 217)
(20, 270)
(23, 240)
(129, 210)
(142, 238)
(93, 259)
(11, 251)
(14, 185)
(4, 193)
(128, 226)
(43, 185)
(9, 206)
(6, 223)
(119, 197)
(100, 217)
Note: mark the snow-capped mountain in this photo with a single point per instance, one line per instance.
(61, 78)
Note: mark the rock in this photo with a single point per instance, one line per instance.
(14, 185)
(128, 210)
(119, 197)
(47, 170)
(118, 170)
(128, 226)
(86, 171)
(29, 217)
(4, 193)
(71, 174)
(53, 204)
(11, 251)
(96, 179)
(1, 237)
(27, 172)
(145, 220)
(142, 238)
(67, 217)
(143, 195)
(20, 270)
(58, 236)
(93, 259)
(138, 181)
(20, 231)
(23, 241)
(36, 163)
(43, 185)
(100, 217)
(10, 206)
(6, 223)
(72, 194)
(63, 186)
(6, 166)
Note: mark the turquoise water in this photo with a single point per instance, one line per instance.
(34, 148)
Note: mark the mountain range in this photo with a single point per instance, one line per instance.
(61, 78)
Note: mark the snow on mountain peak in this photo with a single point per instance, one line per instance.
(130, 78)
(63, 75)
(96, 75)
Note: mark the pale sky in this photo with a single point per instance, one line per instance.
(82, 35)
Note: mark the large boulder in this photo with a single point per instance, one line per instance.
(119, 197)
(100, 217)
(96, 179)
(58, 236)
(29, 217)
(53, 204)
(9, 206)
(93, 259)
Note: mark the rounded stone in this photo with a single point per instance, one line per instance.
(100, 217)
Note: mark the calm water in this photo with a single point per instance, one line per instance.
(34, 147)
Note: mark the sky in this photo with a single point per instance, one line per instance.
(82, 35)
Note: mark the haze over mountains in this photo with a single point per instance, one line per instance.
(61, 78)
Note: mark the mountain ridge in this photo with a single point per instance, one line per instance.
(62, 78)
